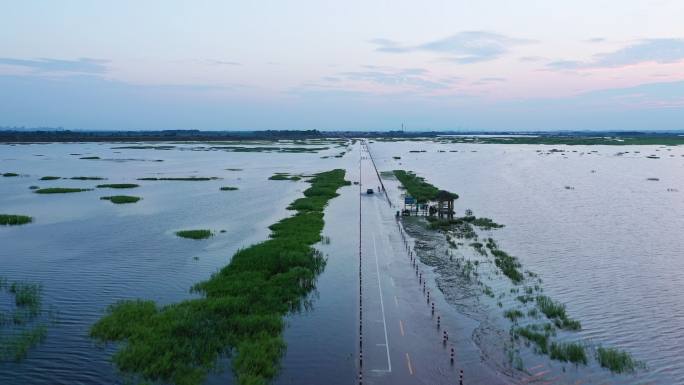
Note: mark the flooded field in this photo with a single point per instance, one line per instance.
(88, 253)
(599, 226)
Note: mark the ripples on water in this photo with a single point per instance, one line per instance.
(609, 245)
(89, 253)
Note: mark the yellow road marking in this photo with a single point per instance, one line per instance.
(408, 362)
(401, 327)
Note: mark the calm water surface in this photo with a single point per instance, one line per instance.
(88, 253)
(610, 245)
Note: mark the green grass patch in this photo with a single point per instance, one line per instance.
(617, 361)
(555, 311)
(194, 234)
(118, 185)
(120, 199)
(508, 264)
(541, 340)
(13, 220)
(240, 310)
(228, 188)
(60, 190)
(568, 352)
(513, 315)
(187, 179)
(10, 174)
(50, 178)
(90, 157)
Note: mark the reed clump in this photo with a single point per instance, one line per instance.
(49, 177)
(568, 352)
(555, 311)
(617, 361)
(240, 310)
(228, 188)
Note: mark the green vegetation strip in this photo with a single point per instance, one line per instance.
(60, 190)
(118, 185)
(12, 220)
(194, 234)
(241, 309)
(188, 179)
(10, 174)
(119, 199)
(418, 188)
(50, 178)
(228, 188)
(88, 178)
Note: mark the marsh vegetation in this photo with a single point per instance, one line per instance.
(241, 307)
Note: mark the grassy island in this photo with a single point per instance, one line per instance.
(60, 190)
(13, 220)
(118, 185)
(120, 199)
(194, 234)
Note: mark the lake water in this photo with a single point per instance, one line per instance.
(88, 253)
(606, 241)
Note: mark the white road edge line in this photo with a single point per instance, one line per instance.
(382, 305)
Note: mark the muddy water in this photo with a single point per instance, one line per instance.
(604, 237)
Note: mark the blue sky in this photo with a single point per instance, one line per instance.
(332, 65)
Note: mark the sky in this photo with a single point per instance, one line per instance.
(504, 65)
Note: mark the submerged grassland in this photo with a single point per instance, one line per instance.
(241, 310)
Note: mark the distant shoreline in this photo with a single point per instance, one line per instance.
(479, 137)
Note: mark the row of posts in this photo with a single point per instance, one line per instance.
(422, 281)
